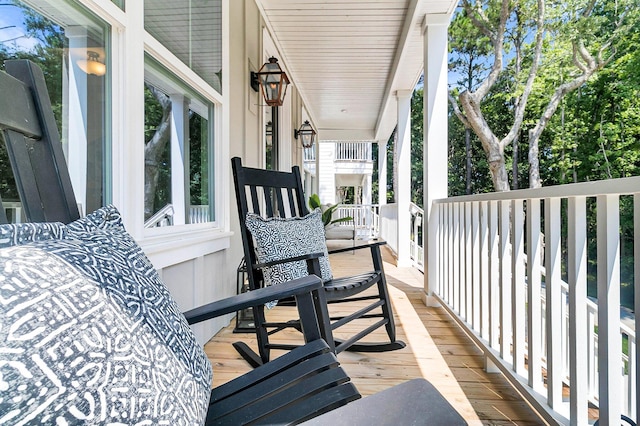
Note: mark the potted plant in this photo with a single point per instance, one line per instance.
(331, 229)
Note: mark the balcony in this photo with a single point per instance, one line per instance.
(437, 349)
(511, 276)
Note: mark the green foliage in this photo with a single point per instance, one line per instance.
(327, 214)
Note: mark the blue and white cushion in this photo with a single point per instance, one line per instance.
(282, 238)
(89, 333)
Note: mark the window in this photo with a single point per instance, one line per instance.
(71, 45)
(178, 163)
(191, 30)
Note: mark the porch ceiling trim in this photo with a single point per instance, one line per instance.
(348, 58)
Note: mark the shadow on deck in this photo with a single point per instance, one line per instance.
(437, 349)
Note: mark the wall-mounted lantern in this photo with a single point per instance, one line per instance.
(306, 134)
(273, 81)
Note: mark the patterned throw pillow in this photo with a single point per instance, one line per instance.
(281, 238)
(89, 333)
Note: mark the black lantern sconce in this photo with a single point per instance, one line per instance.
(306, 134)
(273, 81)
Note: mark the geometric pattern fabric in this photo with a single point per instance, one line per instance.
(89, 333)
(279, 238)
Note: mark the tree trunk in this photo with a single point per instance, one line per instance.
(492, 146)
(467, 141)
(514, 165)
(153, 152)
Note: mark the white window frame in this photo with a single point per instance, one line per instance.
(129, 42)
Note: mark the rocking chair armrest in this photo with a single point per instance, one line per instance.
(308, 256)
(297, 287)
(358, 247)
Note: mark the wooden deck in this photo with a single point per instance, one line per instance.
(437, 349)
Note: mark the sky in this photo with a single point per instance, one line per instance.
(12, 32)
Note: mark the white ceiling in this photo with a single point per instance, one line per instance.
(348, 58)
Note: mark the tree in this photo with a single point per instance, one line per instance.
(157, 169)
(469, 49)
(575, 38)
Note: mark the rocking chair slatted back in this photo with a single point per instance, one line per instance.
(33, 145)
(269, 194)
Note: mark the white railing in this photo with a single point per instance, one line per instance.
(490, 276)
(13, 210)
(366, 219)
(416, 251)
(199, 214)
(164, 216)
(627, 333)
(353, 151)
(309, 154)
(389, 225)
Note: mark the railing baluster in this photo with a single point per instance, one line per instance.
(534, 304)
(494, 277)
(518, 286)
(553, 300)
(449, 252)
(609, 367)
(467, 273)
(506, 325)
(577, 272)
(475, 274)
(455, 258)
(636, 275)
(484, 269)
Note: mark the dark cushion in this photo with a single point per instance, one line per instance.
(89, 333)
(281, 238)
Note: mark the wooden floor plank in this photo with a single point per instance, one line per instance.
(437, 349)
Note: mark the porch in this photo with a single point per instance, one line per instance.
(437, 349)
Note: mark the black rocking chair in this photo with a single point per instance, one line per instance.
(280, 194)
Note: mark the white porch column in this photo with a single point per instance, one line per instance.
(179, 153)
(403, 192)
(382, 172)
(435, 137)
(366, 190)
(74, 135)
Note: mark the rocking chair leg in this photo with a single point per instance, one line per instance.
(248, 354)
(261, 335)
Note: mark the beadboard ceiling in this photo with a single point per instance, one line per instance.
(348, 58)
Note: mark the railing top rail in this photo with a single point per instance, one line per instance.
(621, 186)
(414, 209)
